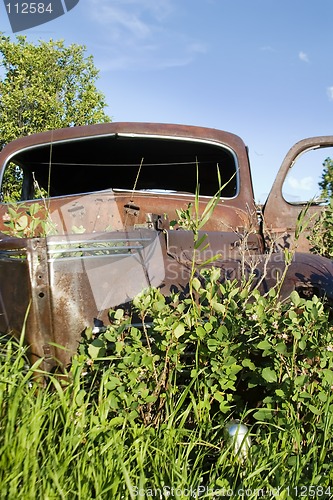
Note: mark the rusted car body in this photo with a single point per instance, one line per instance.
(112, 193)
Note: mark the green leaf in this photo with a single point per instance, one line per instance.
(112, 383)
(201, 332)
(211, 259)
(222, 332)
(281, 348)
(302, 344)
(314, 312)
(96, 349)
(219, 308)
(322, 396)
(264, 345)
(208, 327)
(292, 315)
(147, 361)
(179, 330)
(22, 223)
(200, 241)
(292, 461)
(272, 293)
(196, 284)
(295, 298)
(80, 397)
(328, 376)
(119, 346)
(314, 410)
(247, 363)
(300, 380)
(233, 370)
(34, 208)
(119, 314)
(220, 397)
(212, 344)
(263, 414)
(269, 375)
(115, 421)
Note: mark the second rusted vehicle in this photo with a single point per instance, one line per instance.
(109, 193)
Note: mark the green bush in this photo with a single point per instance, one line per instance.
(224, 350)
(321, 237)
(147, 400)
(148, 421)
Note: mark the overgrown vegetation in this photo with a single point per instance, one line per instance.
(143, 410)
(44, 86)
(321, 236)
(137, 418)
(28, 220)
(326, 183)
(232, 351)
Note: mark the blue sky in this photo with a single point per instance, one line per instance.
(262, 69)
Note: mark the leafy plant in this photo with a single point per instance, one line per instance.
(321, 237)
(28, 221)
(60, 443)
(222, 349)
(326, 183)
(194, 220)
(147, 399)
(233, 351)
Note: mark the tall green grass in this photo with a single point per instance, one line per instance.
(54, 447)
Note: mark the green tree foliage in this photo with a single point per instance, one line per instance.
(326, 184)
(45, 86)
(321, 236)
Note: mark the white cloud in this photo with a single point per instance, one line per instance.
(267, 48)
(134, 18)
(140, 35)
(196, 48)
(158, 9)
(330, 93)
(304, 184)
(119, 20)
(303, 57)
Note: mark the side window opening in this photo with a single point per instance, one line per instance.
(305, 180)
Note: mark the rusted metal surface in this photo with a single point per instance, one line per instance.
(114, 191)
(281, 216)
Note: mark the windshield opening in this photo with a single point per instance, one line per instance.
(126, 163)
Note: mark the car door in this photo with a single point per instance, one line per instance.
(296, 199)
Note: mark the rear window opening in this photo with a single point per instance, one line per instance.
(126, 163)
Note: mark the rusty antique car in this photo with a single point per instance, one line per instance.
(111, 192)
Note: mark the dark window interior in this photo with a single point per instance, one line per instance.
(113, 162)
